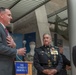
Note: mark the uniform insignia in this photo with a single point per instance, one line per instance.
(48, 52)
(47, 48)
(49, 63)
(54, 51)
(42, 51)
(55, 57)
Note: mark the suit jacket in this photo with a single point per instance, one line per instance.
(65, 62)
(42, 58)
(6, 54)
(74, 55)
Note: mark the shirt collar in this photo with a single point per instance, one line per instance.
(49, 46)
(3, 25)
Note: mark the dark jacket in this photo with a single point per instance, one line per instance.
(42, 57)
(74, 55)
(7, 54)
(65, 62)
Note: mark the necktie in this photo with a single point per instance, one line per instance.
(7, 33)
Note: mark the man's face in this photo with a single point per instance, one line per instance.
(46, 39)
(6, 17)
(61, 50)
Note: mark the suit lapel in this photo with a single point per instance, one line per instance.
(2, 28)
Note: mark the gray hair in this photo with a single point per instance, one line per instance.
(46, 34)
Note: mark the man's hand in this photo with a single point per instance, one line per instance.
(68, 67)
(45, 71)
(21, 51)
(10, 42)
(52, 72)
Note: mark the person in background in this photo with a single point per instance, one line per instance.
(8, 49)
(66, 62)
(47, 59)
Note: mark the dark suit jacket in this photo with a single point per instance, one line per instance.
(6, 54)
(74, 55)
(65, 62)
(41, 61)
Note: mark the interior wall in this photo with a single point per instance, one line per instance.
(28, 24)
(55, 5)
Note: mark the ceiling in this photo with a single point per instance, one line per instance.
(62, 13)
(56, 12)
(21, 8)
(59, 22)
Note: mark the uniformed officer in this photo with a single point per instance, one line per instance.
(47, 59)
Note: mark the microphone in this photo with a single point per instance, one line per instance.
(24, 43)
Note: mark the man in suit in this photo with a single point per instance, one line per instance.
(74, 55)
(66, 62)
(8, 49)
(47, 59)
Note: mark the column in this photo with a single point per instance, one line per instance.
(42, 21)
(72, 31)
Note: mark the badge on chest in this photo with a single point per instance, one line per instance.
(54, 51)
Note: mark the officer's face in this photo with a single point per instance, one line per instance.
(46, 39)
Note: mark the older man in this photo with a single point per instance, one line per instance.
(47, 59)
